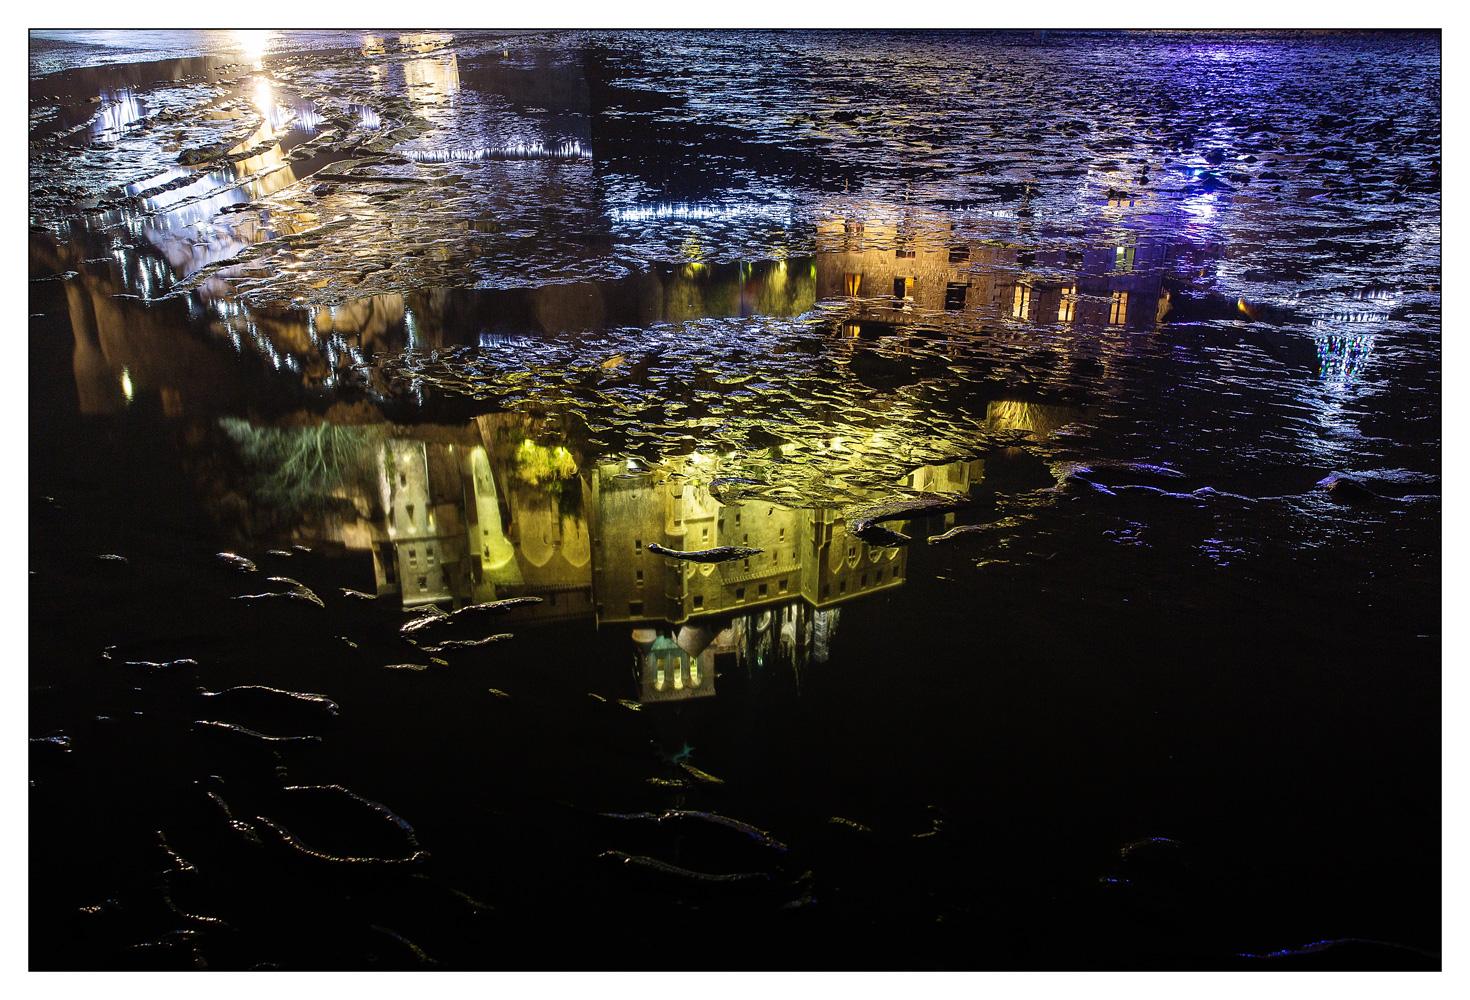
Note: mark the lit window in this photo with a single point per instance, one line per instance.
(1118, 313)
(903, 288)
(1021, 302)
(1123, 259)
(1067, 309)
(852, 284)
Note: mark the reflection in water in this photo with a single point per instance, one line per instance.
(1343, 356)
(475, 514)
(254, 44)
(117, 110)
(468, 515)
(919, 262)
(414, 322)
(432, 81)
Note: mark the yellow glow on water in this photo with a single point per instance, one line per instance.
(127, 385)
(264, 97)
(432, 81)
(253, 43)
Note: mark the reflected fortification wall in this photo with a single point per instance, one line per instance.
(479, 512)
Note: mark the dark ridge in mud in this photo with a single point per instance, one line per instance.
(664, 868)
(261, 692)
(867, 522)
(724, 553)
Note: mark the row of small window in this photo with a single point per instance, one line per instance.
(955, 294)
(852, 284)
(745, 540)
(761, 590)
(1067, 308)
(877, 578)
(413, 556)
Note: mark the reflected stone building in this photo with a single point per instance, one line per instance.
(919, 263)
(485, 511)
(804, 553)
(476, 514)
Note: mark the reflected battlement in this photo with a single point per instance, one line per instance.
(466, 515)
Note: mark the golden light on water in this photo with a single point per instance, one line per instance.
(264, 97)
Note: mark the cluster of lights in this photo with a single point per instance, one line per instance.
(682, 211)
(1341, 356)
(1362, 316)
(570, 150)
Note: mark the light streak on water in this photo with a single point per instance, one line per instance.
(570, 150)
(681, 211)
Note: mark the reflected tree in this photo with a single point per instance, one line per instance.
(313, 468)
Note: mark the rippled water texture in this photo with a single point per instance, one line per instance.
(734, 500)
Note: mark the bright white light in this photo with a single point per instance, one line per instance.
(253, 43)
(570, 150)
(686, 212)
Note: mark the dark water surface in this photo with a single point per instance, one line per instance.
(1078, 393)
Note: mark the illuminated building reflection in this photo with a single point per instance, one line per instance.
(458, 515)
(896, 269)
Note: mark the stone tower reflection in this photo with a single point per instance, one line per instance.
(488, 511)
